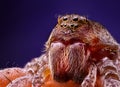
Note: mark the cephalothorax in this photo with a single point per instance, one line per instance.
(79, 53)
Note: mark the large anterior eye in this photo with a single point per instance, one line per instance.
(75, 19)
(65, 18)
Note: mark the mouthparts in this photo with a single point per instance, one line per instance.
(68, 62)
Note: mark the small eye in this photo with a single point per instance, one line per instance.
(61, 25)
(75, 19)
(65, 18)
(72, 25)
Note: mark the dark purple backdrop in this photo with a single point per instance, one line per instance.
(26, 24)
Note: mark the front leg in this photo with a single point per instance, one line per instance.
(38, 69)
(109, 73)
(90, 79)
(36, 64)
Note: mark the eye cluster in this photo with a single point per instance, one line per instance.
(71, 17)
(71, 21)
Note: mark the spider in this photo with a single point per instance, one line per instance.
(79, 53)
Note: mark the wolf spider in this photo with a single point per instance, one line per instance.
(79, 53)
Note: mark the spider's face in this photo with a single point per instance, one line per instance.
(67, 48)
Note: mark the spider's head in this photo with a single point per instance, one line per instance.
(71, 29)
(74, 43)
(75, 28)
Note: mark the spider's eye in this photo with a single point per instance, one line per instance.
(65, 18)
(75, 19)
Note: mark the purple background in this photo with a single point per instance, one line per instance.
(26, 24)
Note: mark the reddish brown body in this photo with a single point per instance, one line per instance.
(79, 53)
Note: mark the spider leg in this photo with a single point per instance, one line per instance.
(36, 68)
(90, 79)
(109, 73)
(36, 64)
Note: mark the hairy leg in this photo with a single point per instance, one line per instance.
(37, 68)
(109, 73)
(90, 79)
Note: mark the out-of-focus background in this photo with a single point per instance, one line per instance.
(25, 25)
